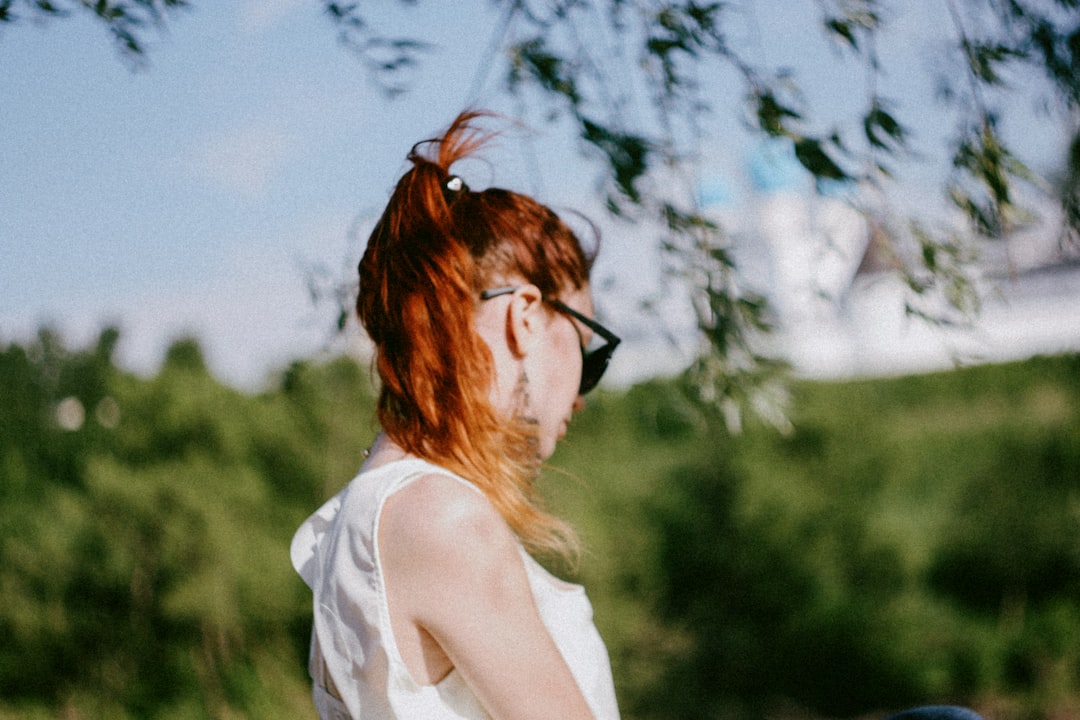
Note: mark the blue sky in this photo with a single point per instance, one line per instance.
(188, 198)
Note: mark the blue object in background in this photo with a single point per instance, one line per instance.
(937, 712)
(773, 167)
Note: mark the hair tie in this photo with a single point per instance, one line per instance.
(453, 186)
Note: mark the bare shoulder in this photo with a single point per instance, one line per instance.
(437, 519)
(455, 576)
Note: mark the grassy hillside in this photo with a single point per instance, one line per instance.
(912, 540)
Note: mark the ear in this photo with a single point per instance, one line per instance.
(525, 317)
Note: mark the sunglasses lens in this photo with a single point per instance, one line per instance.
(592, 368)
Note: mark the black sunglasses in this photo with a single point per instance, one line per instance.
(593, 362)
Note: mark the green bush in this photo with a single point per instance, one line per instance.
(912, 540)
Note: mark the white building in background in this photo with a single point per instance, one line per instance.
(840, 317)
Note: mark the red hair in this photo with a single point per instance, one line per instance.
(430, 255)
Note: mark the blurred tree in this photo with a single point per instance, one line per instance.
(769, 625)
(635, 82)
(913, 539)
(1015, 545)
(630, 78)
(144, 548)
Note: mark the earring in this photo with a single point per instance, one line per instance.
(521, 394)
(524, 416)
(523, 403)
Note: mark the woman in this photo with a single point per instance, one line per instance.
(428, 602)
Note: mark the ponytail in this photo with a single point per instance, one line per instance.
(425, 264)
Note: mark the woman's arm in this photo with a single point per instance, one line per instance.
(454, 576)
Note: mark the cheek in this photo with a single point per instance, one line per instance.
(561, 380)
(569, 367)
(573, 372)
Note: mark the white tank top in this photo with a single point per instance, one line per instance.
(355, 664)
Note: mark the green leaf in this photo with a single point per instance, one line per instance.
(773, 115)
(882, 130)
(532, 60)
(842, 29)
(814, 158)
(627, 155)
(985, 58)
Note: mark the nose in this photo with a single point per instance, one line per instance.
(579, 404)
